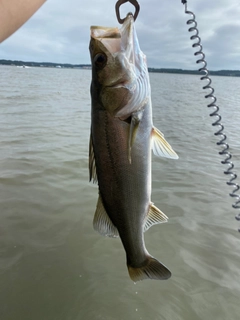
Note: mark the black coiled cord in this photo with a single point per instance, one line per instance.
(215, 113)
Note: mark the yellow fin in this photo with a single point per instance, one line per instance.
(153, 217)
(152, 269)
(102, 223)
(160, 146)
(91, 162)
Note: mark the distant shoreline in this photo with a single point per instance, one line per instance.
(18, 63)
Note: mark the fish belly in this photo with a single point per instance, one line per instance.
(125, 186)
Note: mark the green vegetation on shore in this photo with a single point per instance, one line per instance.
(19, 63)
(229, 73)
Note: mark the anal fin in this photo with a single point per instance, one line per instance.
(102, 223)
(153, 217)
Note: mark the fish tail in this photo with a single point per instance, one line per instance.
(152, 269)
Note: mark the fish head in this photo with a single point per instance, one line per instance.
(119, 69)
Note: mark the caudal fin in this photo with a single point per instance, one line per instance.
(153, 269)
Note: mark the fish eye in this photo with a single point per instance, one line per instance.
(100, 60)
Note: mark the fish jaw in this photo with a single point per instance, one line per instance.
(123, 77)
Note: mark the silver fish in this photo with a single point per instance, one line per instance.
(122, 136)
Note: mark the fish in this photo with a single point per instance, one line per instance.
(122, 137)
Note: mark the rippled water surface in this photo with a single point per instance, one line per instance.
(53, 265)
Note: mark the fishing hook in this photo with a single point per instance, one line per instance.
(133, 2)
(215, 113)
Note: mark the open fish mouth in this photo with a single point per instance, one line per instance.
(120, 40)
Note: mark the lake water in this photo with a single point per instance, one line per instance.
(53, 265)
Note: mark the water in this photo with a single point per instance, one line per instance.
(53, 265)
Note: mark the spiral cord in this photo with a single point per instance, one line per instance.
(215, 113)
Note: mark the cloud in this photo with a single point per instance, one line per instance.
(59, 32)
(226, 50)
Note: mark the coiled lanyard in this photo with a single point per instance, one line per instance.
(222, 136)
(217, 123)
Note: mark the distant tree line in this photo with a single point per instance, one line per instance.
(229, 73)
(20, 63)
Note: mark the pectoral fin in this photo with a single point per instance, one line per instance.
(102, 223)
(160, 146)
(91, 163)
(136, 118)
(154, 216)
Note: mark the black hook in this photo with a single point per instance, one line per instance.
(133, 2)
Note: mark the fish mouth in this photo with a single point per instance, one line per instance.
(129, 41)
(122, 43)
(119, 40)
(109, 37)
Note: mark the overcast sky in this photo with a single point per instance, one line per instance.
(59, 32)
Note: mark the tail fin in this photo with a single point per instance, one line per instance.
(153, 269)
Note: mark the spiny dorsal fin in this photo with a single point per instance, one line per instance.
(160, 146)
(102, 223)
(91, 162)
(154, 216)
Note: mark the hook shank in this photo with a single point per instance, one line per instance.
(133, 2)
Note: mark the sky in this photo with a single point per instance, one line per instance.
(60, 32)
